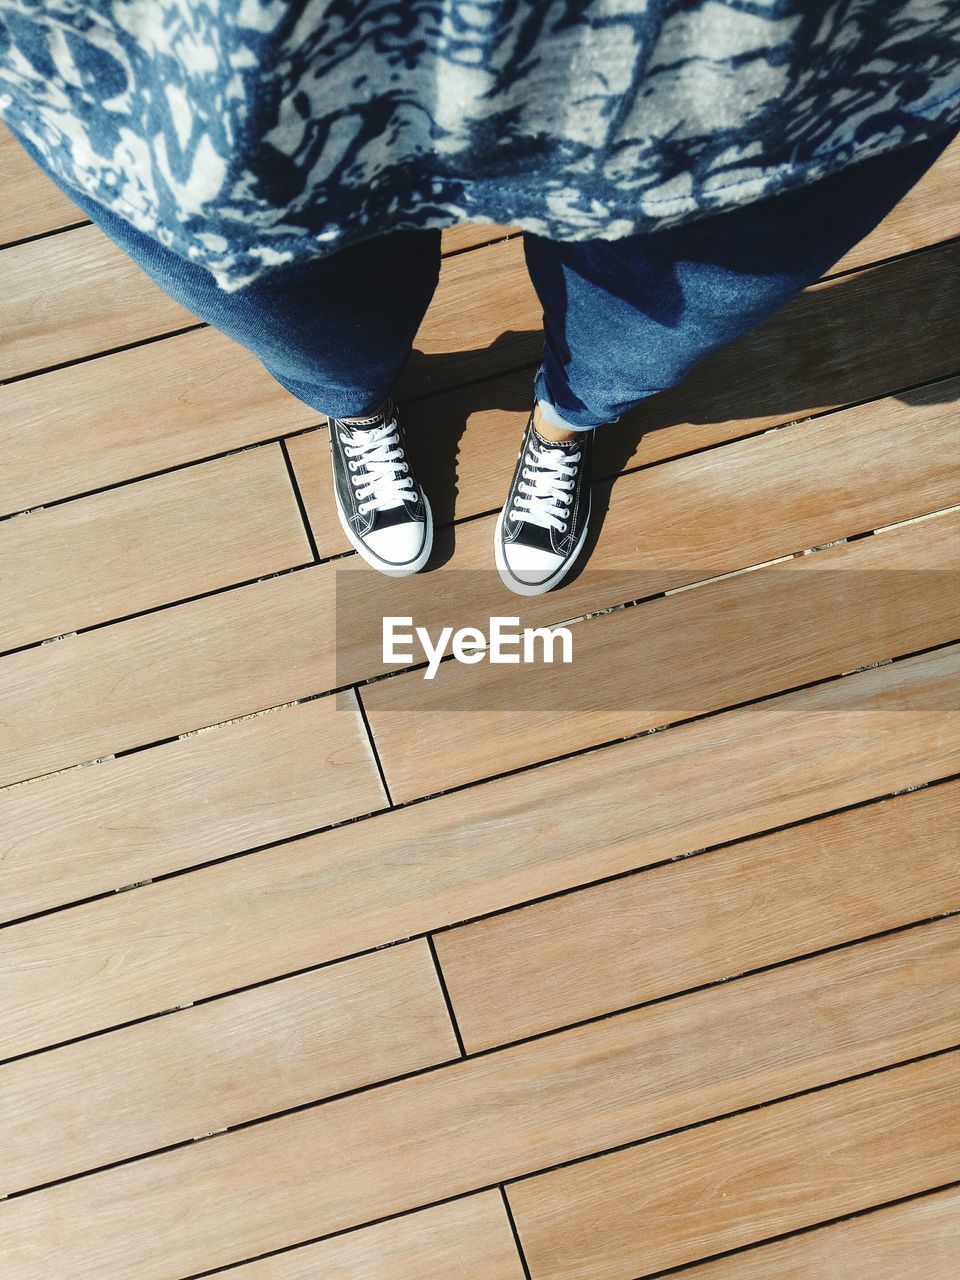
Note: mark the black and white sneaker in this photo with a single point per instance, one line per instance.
(543, 524)
(383, 510)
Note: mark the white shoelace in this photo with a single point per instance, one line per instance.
(551, 478)
(378, 472)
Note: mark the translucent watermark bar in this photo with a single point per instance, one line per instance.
(667, 644)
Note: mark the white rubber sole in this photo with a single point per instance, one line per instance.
(535, 588)
(373, 560)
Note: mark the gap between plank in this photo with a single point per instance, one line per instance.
(516, 1234)
(616, 607)
(371, 741)
(755, 701)
(683, 1266)
(161, 471)
(317, 560)
(170, 333)
(521, 769)
(692, 452)
(153, 608)
(893, 257)
(45, 235)
(376, 1085)
(98, 355)
(802, 1231)
(441, 979)
(301, 505)
(507, 1182)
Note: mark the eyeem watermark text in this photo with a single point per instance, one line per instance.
(503, 642)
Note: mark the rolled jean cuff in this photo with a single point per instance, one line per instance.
(568, 420)
(335, 402)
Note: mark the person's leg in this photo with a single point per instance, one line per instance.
(625, 319)
(336, 332)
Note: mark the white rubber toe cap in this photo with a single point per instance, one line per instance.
(530, 571)
(530, 565)
(400, 544)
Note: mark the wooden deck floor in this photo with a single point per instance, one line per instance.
(646, 964)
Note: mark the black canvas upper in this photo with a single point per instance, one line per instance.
(364, 523)
(560, 542)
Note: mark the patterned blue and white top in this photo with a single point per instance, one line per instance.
(248, 133)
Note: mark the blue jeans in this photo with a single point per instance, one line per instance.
(628, 318)
(623, 319)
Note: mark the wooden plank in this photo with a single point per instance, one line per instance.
(467, 1239)
(32, 204)
(929, 213)
(744, 1179)
(185, 398)
(107, 692)
(484, 317)
(87, 831)
(478, 851)
(922, 1236)
(698, 921)
(676, 523)
(669, 659)
(72, 295)
(143, 545)
(470, 235)
(198, 394)
(466, 1126)
(783, 471)
(253, 1054)
(104, 691)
